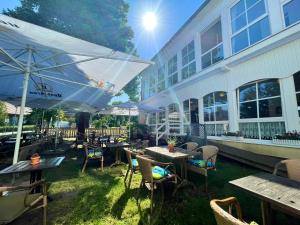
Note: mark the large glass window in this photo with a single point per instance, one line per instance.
(161, 79)
(260, 100)
(188, 61)
(172, 71)
(216, 112)
(174, 118)
(145, 87)
(291, 12)
(258, 103)
(211, 45)
(152, 85)
(249, 23)
(297, 87)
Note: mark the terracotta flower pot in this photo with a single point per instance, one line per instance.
(171, 148)
(35, 159)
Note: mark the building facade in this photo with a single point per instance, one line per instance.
(234, 66)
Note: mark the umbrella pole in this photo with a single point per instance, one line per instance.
(23, 102)
(129, 119)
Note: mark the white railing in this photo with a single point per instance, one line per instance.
(159, 134)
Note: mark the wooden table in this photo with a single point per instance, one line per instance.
(35, 170)
(117, 147)
(279, 192)
(180, 155)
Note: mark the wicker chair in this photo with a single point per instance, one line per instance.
(189, 146)
(209, 155)
(145, 165)
(92, 152)
(292, 167)
(224, 217)
(132, 165)
(19, 199)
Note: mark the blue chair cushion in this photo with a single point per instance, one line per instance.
(200, 163)
(134, 163)
(159, 172)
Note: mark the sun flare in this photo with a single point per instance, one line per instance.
(149, 21)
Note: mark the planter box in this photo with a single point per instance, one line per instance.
(232, 138)
(286, 142)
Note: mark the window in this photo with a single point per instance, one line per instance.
(260, 100)
(152, 121)
(152, 85)
(188, 61)
(191, 115)
(211, 45)
(216, 112)
(145, 87)
(174, 118)
(260, 109)
(161, 79)
(162, 118)
(172, 71)
(297, 87)
(291, 12)
(249, 23)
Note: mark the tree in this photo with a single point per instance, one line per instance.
(102, 22)
(3, 114)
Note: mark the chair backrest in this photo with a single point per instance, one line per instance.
(210, 152)
(28, 150)
(145, 143)
(191, 146)
(226, 218)
(129, 156)
(145, 165)
(292, 167)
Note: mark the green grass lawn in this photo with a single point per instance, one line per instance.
(101, 198)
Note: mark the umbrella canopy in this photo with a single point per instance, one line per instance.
(138, 106)
(63, 70)
(43, 68)
(116, 111)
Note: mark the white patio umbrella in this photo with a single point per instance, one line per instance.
(42, 68)
(130, 105)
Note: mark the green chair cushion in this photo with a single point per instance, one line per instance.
(159, 172)
(12, 205)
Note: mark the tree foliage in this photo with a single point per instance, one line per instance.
(102, 22)
(3, 114)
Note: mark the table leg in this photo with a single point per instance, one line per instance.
(117, 159)
(184, 182)
(266, 212)
(34, 177)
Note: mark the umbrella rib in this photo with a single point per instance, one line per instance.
(20, 53)
(9, 65)
(13, 58)
(60, 79)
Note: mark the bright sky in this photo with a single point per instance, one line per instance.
(170, 16)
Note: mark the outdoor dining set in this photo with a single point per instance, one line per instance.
(157, 165)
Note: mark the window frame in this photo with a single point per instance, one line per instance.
(297, 92)
(173, 73)
(163, 81)
(248, 25)
(283, 3)
(216, 122)
(189, 63)
(259, 119)
(213, 48)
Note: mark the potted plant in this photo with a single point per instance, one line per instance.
(235, 136)
(171, 144)
(35, 159)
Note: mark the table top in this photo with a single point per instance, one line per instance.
(117, 145)
(25, 166)
(163, 150)
(281, 191)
